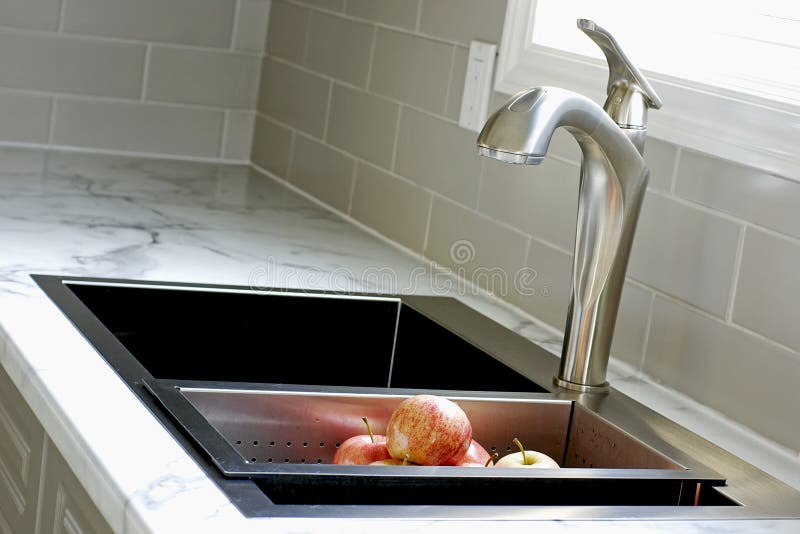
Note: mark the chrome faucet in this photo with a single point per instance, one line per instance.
(613, 181)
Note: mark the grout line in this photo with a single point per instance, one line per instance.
(224, 134)
(61, 16)
(146, 72)
(121, 40)
(739, 328)
(450, 80)
(51, 128)
(737, 267)
(419, 16)
(373, 46)
(673, 185)
(112, 99)
(400, 29)
(354, 177)
(647, 328)
(289, 166)
(428, 224)
(396, 137)
(327, 113)
(124, 153)
(237, 11)
(306, 41)
(722, 215)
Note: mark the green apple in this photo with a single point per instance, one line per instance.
(523, 458)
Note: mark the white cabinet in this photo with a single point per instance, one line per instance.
(25, 453)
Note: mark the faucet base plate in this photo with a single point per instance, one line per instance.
(582, 388)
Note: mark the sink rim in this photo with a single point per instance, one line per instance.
(761, 496)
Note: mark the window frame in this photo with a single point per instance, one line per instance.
(747, 129)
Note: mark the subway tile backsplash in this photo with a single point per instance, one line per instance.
(183, 72)
(711, 304)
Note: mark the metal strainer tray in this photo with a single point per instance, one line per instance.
(286, 436)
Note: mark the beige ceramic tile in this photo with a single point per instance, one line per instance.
(478, 249)
(195, 22)
(768, 293)
(438, 155)
(339, 47)
(293, 96)
(726, 369)
(543, 288)
(71, 65)
(238, 140)
(402, 13)
(189, 76)
(25, 118)
(138, 127)
(412, 69)
(457, 77)
(31, 14)
(745, 192)
(288, 28)
(323, 172)
(363, 124)
(541, 200)
(685, 252)
(464, 20)
(660, 158)
(393, 207)
(629, 334)
(251, 25)
(271, 146)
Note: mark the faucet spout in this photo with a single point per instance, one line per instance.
(613, 181)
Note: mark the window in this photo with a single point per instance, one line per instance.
(727, 71)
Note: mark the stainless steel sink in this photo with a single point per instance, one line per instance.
(236, 375)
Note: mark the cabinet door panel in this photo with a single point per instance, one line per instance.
(21, 444)
(66, 508)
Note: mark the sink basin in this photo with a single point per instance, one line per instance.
(294, 337)
(235, 375)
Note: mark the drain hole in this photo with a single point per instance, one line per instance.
(494, 448)
(319, 460)
(255, 443)
(305, 444)
(238, 442)
(288, 443)
(337, 445)
(302, 460)
(321, 443)
(252, 459)
(286, 460)
(269, 460)
(271, 443)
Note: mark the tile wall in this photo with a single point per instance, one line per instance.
(358, 105)
(173, 77)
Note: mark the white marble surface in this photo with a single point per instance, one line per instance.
(110, 216)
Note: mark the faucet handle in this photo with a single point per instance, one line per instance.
(630, 95)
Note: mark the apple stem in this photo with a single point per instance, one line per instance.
(405, 460)
(492, 459)
(371, 435)
(522, 450)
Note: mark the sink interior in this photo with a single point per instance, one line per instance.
(292, 338)
(285, 440)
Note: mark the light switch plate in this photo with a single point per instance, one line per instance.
(477, 85)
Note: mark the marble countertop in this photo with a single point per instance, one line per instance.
(110, 216)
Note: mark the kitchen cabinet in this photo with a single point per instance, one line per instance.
(25, 453)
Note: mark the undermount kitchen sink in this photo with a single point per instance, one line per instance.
(260, 387)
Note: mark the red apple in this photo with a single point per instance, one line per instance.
(476, 454)
(392, 461)
(363, 449)
(523, 458)
(429, 430)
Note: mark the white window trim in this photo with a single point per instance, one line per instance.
(746, 129)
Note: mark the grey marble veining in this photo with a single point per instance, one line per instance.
(110, 216)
